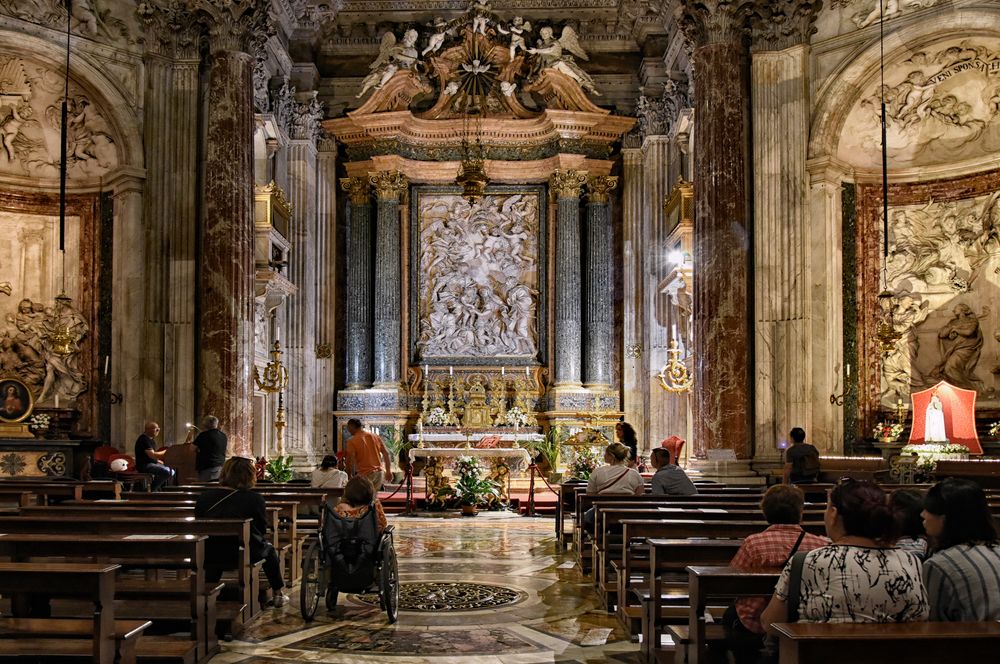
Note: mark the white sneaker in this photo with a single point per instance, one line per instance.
(280, 600)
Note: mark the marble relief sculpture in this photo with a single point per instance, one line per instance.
(961, 344)
(478, 289)
(558, 54)
(392, 57)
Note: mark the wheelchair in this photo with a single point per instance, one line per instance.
(349, 556)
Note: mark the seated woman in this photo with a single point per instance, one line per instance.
(235, 500)
(772, 548)
(908, 506)
(616, 478)
(860, 577)
(328, 476)
(359, 495)
(963, 573)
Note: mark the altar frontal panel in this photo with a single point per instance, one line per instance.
(478, 276)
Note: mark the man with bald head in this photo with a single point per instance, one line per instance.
(148, 460)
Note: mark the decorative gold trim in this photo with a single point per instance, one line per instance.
(567, 183)
(277, 197)
(680, 199)
(388, 185)
(600, 187)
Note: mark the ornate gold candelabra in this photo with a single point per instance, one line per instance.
(275, 380)
(63, 338)
(674, 376)
(523, 393)
(498, 395)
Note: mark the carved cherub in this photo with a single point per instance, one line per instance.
(436, 40)
(518, 28)
(481, 14)
(558, 54)
(391, 58)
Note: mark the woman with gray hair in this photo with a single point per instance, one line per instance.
(211, 446)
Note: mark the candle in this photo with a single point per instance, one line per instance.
(526, 372)
(277, 333)
(426, 371)
(107, 359)
(503, 371)
(673, 331)
(57, 401)
(451, 371)
(848, 370)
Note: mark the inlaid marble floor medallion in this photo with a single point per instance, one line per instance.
(453, 596)
(482, 591)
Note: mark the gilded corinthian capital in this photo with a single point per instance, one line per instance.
(780, 24)
(599, 187)
(388, 185)
(358, 190)
(567, 184)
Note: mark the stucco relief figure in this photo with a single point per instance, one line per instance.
(517, 30)
(898, 368)
(481, 14)
(933, 246)
(891, 9)
(478, 265)
(558, 54)
(392, 57)
(436, 40)
(960, 341)
(90, 146)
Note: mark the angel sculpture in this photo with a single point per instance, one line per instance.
(517, 30)
(550, 52)
(436, 40)
(481, 14)
(391, 58)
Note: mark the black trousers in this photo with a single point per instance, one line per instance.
(272, 568)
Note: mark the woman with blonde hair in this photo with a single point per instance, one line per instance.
(616, 477)
(236, 499)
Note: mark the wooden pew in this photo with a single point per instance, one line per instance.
(716, 584)
(231, 614)
(874, 643)
(176, 552)
(97, 639)
(67, 490)
(673, 557)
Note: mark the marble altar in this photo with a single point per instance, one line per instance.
(502, 461)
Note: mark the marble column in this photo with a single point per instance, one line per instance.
(634, 382)
(301, 307)
(722, 390)
(326, 294)
(358, 346)
(226, 277)
(782, 303)
(598, 328)
(566, 187)
(389, 187)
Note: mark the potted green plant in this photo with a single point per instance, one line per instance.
(546, 451)
(278, 469)
(472, 490)
(398, 445)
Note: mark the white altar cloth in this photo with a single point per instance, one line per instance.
(485, 452)
(475, 438)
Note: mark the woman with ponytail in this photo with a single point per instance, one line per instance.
(861, 577)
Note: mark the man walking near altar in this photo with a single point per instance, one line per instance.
(367, 455)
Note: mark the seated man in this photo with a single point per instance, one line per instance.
(801, 460)
(669, 480)
(148, 460)
(771, 549)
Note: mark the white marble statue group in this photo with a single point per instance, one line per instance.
(549, 52)
(478, 264)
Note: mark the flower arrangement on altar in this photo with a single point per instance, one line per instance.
(516, 417)
(39, 422)
(472, 490)
(437, 417)
(584, 464)
(888, 431)
(929, 454)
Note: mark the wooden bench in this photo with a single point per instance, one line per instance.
(874, 643)
(22, 636)
(45, 492)
(174, 552)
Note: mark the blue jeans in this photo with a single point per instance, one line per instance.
(161, 474)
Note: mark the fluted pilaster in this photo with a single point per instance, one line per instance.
(598, 329)
(389, 187)
(566, 187)
(326, 294)
(359, 284)
(633, 315)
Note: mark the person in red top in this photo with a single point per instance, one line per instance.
(770, 549)
(367, 454)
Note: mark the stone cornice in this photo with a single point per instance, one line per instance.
(780, 24)
(706, 22)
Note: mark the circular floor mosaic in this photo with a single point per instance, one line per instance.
(445, 596)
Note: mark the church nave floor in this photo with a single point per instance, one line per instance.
(548, 611)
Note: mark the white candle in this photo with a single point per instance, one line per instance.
(673, 331)
(426, 371)
(277, 333)
(57, 401)
(503, 371)
(526, 371)
(451, 371)
(107, 359)
(848, 370)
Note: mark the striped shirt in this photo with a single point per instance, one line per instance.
(963, 583)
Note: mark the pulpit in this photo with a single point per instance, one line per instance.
(959, 411)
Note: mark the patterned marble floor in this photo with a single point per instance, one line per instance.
(556, 617)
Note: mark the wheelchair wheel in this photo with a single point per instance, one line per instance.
(388, 582)
(313, 582)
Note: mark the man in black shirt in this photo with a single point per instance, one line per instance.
(211, 447)
(148, 460)
(801, 459)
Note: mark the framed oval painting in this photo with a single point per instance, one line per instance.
(16, 401)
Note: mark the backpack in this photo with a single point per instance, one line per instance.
(807, 464)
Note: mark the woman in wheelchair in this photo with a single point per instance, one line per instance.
(359, 496)
(236, 500)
